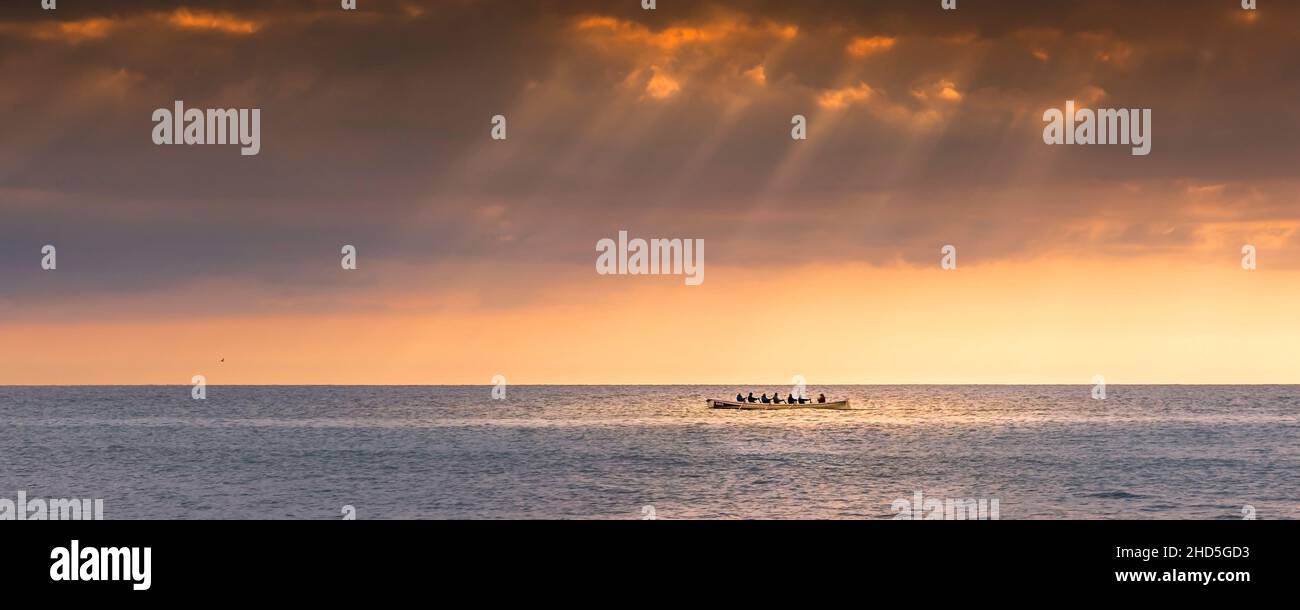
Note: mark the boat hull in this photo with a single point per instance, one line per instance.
(841, 405)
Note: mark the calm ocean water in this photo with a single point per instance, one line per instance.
(248, 452)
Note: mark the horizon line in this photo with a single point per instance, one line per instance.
(488, 385)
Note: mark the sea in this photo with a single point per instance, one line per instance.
(637, 452)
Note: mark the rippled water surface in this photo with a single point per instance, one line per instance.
(1166, 452)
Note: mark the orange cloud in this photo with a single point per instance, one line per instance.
(948, 91)
(65, 31)
(185, 18)
(677, 36)
(97, 28)
(630, 32)
(862, 46)
(837, 99)
(86, 29)
(661, 86)
(662, 62)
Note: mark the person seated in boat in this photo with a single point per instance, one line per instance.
(739, 397)
(804, 399)
(792, 400)
(821, 398)
(751, 398)
(765, 400)
(776, 398)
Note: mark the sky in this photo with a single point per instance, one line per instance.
(476, 257)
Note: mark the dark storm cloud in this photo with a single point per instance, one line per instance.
(375, 130)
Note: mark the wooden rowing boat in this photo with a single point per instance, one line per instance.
(758, 406)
